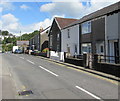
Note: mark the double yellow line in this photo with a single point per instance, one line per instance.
(97, 76)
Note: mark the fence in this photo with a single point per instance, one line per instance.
(107, 64)
(67, 55)
(108, 59)
(59, 56)
(76, 59)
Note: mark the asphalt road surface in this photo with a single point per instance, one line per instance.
(49, 80)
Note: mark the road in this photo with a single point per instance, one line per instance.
(49, 80)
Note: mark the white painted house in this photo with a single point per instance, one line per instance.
(96, 33)
(70, 40)
(113, 35)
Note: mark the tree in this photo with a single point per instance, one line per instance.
(28, 36)
(4, 41)
(10, 46)
(5, 33)
(4, 47)
(14, 39)
(9, 40)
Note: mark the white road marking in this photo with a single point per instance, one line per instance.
(96, 97)
(22, 57)
(48, 71)
(31, 62)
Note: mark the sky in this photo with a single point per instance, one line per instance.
(25, 16)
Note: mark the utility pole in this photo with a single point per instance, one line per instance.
(20, 35)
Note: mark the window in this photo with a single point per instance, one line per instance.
(86, 48)
(86, 27)
(75, 48)
(101, 49)
(68, 33)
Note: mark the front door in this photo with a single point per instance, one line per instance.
(116, 52)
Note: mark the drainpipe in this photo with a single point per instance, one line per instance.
(106, 38)
(80, 39)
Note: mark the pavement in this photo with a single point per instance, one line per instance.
(7, 84)
(52, 80)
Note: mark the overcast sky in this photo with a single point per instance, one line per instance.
(29, 15)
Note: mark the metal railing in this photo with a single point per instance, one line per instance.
(109, 59)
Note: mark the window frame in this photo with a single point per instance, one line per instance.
(86, 27)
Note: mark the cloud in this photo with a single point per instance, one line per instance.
(56, 9)
(24, 7)
(12, 24)
(76, 9)
(36, 26)
(9, 22)
(54, 0)
(6, 6)
(67, 8)
(95, 5)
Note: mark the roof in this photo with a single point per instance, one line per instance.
(99, 13)
(40, 32)
(44, 30)
(24, 42)
(62, 22)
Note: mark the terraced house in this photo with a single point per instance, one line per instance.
(96, 33)
(34, 43)
(44, 38)
(55, 36)
(40, 41)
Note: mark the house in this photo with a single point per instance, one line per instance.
(70, 40)
(44, 38)
(35, 42)
(24, 44)
(55, 35)
(40, 41)
(98, 33)
(112, 38)
(31, 42)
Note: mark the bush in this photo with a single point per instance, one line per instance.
(45, 50)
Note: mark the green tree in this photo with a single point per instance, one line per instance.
(4, 47)
(14, 39)
(4, 41)
(5, 33)
(28, 36)
(10, 46)
(9, 40)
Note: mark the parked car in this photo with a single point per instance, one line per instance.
(18, 51)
